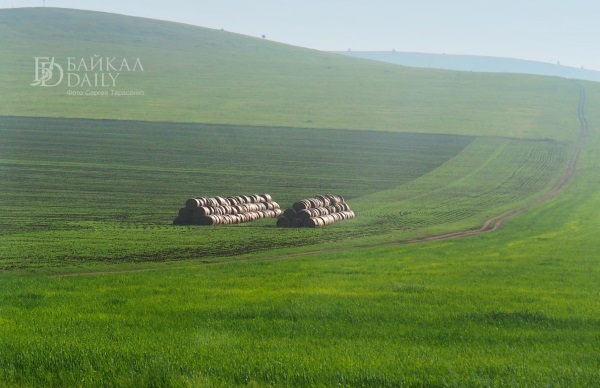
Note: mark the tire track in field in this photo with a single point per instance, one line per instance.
(490, 225)
(495, 223)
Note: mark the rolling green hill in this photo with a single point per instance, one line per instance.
(193, 74)
(429, 151)
(98, 288)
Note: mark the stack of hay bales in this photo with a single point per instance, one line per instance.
(227, 211)
(316, 212)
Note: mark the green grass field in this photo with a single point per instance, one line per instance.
(98, 288)
(116, 201)
(200, 75)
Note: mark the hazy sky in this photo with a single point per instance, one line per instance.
(544, 30)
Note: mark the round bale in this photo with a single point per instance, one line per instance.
(290, 213)
(284, 222)
(193, 203)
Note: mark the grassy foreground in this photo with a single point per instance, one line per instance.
(513, 308)
(517, 307)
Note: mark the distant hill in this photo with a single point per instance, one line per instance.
(476, 64)
(185, 73)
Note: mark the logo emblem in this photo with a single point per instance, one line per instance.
(48, 73)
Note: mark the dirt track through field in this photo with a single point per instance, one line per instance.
(490, 225)
(496, 222)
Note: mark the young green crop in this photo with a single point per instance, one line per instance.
(490, 175)
(115, 202)
(511, 307)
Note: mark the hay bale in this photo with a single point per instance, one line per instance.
(300, 205)
(185, 212)
(217, 220)
(304, 214)
(334, 199)
(252, 207)
(209, 220)
(318, 211)
(179, 221)
(312, 223)
(328, 219)
(219, 210)
(323, 211)
(315, 203)
(221, 201)
(275, 213)
(309, 223)
(200, 220)
(195, 202)
(324, 200)
(347, 215)
(192, 203)
(284, 222)
(318, 201)
(204, 211)
(289, 213)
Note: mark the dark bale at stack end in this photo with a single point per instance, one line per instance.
(316, 212)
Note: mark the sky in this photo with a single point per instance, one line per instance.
(553, 31)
